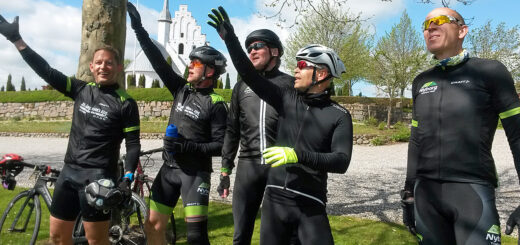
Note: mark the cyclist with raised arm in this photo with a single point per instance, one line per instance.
(314, 138)
(200, 116)
(103, 116)
(451, 176)
(252, 123)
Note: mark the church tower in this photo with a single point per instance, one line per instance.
(165, 20)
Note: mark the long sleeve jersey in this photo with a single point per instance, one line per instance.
(455, 115)
(319, 130)
(199, 113)
(102, 117)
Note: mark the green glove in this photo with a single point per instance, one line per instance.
(278, 156)
(220, 22)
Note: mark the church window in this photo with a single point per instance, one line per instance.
(181, 48)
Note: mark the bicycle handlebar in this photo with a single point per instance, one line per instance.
(142, 153)
(44, 169)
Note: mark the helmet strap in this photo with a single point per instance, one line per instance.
(314, 82)
(268, 62)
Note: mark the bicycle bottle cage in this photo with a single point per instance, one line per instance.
(10, 167)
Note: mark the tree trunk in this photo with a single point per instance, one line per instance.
(103, 24)
(389, 115)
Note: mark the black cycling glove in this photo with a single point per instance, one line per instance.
(135, 18)
(220, 22)
(514, 220)
(174, 144)
(407, 203)
(124, 187)
(224, 185)
(10, 30)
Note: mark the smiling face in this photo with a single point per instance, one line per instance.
(259, 57)
(196, 72)
(444, 40)
(104, 67)
(303, 78)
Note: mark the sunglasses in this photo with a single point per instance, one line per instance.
(196, 64)
(440, 20)
(302, 64)
(255, 46)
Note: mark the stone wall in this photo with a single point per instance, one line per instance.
(62, 110)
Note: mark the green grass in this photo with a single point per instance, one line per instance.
(64, 126)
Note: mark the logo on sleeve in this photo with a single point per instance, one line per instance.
(203, 189)
(493, 235)
(429, 87)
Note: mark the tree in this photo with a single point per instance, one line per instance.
(169, 60)
(9, 86)
(2, 89)
(126, 63)
(130, 81)
(398, 57)
(103, 23)
(22, 87)
(350, 40)
(156, 83)
(186, 73)
(142, 81)
(497, 43)
(228, 82)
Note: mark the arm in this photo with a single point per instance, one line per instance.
(218, 129)
(338, 160)
(413, 148)
(265, 89)
(232, 137)
(131, 130)
(170, 79)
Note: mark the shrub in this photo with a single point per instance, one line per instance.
(371, 121)
(381, 126)
(379, 140)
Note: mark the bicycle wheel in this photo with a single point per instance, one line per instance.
(20, 221)
(128, 222)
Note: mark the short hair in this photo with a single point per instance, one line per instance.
(109, 49)
(459, 17)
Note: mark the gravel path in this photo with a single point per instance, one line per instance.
(369, 189)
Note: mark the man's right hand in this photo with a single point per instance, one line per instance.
(10, 30)
(220, 22)
(223, 187)
(135, 18)
(407, 203)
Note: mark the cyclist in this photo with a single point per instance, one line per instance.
(103, 116)
(314, 138)
(200, 116)
(253, 123)
(451, 176)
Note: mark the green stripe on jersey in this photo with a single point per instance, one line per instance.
(415, 123)
(509, 113)
(130, 129)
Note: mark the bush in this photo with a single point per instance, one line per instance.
(32, 96)
(371, 121)
(379, 140)
(381, 126)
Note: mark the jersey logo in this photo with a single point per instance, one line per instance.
(95, 112)
(429, 87)
(248, 90)
(493, 235)
(340, 108)
(203, 189)
(460, 82)
(188, 111)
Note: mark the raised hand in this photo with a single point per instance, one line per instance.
(220, 22)
(10, 30)
(135, 18)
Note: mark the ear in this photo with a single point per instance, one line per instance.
(274, 52)
(91, 66)
(210, 72)
(322, 73)
(463, 31)
(119, 67)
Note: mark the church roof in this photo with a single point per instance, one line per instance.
(165, 13)
(142, 64)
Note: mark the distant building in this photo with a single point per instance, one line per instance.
(177, 37)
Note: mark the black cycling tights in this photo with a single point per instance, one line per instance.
(456, 213)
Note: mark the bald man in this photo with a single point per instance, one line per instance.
(451, 176)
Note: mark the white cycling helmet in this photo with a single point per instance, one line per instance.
(319, 54)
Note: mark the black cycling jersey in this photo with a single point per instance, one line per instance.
(251, 121)
(455, 115)
(102, 117)
(199, 113)
(319, 130)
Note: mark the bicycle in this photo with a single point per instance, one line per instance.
(18, 216)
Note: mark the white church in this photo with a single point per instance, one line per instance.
(177, 37)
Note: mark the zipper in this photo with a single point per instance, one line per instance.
(296, 144)
(261, 128)
(440, 127)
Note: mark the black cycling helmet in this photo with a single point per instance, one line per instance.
(102, 194)
(210, 56)
(269, 37)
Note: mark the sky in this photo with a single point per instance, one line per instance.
(53, 27)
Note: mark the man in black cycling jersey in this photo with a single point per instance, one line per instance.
(200, 116)
(103, 116)
(451, 176)
(252, 123)
(314, 138)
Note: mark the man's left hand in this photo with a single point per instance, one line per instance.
(278, 156)
(514, 220)
(220, 22)
(10, 30)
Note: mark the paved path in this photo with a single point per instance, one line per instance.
(369, 189)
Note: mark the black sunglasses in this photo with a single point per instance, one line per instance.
(255, 46)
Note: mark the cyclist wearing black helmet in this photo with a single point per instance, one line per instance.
(314, 138)
(200, 116)
(103, 116)
(252, 123)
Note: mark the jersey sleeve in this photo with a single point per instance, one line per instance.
(131, 132)
(218, 129)
(413, 146)
(232, 135)
(338, 160)
(66, 85)
(507, 104)
(265, 89)
(170, 79)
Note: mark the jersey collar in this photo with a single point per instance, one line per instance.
(451, 61)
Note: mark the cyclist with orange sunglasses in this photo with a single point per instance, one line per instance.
(314, 138)
(449, 193)
(200, 117)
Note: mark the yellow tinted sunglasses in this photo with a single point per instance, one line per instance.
(440, 20)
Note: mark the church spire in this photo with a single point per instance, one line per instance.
(165, 13)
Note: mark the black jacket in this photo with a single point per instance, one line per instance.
(251, 121)
(319, 130)
(455, 115)
(102, 117)
(199, 114)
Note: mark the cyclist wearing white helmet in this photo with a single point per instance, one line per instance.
(200, 117)
(314, 138)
